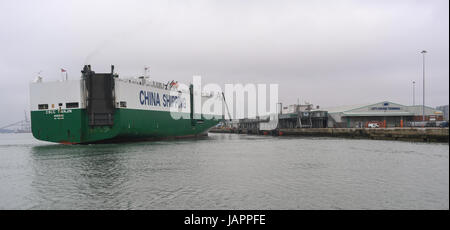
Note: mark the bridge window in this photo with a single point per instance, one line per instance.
(43, 106)
(72, 105)
(123, 104)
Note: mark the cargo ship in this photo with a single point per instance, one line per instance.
(103, 108)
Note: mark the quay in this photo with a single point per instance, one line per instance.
(401, 134)
(379, 121)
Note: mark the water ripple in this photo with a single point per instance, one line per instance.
(224, 171)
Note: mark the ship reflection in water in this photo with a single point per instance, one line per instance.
(224, 171)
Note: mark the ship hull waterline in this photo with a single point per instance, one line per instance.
(71, 126)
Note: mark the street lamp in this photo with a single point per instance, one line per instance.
(423, 105)
(414, 93)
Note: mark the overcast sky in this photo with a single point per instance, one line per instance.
(324, 52)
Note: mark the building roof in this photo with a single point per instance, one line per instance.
(384, 113)
(417, 109)
(343, 108)
(346, 108)
(384, 108)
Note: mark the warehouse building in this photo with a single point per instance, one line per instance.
(385, 114)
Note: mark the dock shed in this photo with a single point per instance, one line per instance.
(386, 114)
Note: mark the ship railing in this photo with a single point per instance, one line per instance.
(154, 84)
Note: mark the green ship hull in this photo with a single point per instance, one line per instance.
(71, 126)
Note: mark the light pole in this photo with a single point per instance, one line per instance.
(423, 105)
(414, 93)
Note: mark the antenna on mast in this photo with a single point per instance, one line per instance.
(38, 78)
(145, 71)
(62, 73)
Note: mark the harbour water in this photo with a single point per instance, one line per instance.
(224, 171)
